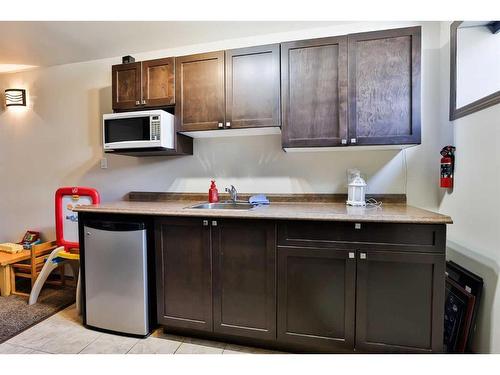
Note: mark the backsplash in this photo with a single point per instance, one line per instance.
(253, 165)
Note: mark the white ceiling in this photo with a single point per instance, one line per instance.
(48, 43)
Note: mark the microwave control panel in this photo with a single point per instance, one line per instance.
(155, 128)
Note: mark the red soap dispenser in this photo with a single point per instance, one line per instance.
(213, 193)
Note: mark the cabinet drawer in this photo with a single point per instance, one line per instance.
(421, 237)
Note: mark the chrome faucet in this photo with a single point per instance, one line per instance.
(233, 193)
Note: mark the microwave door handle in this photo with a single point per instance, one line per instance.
(150, 128)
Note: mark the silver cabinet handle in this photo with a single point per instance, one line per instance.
(137, 102)
(344, 141)
(205, 223)
(362, 255)
(221, 125)
(351, 255)
(228, 124)
(214, 223)
(353, 140)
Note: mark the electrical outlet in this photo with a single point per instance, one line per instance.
(104, 163)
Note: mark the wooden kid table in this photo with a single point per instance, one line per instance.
(6, 259)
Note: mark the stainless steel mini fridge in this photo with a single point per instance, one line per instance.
(116, 280)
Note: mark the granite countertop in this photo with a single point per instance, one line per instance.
(388, 212)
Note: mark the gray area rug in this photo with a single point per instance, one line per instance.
(16, 315)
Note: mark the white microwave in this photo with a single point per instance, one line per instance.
(141, 129)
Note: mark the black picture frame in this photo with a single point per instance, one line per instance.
(458, 313)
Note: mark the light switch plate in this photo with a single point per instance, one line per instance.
(104, 163)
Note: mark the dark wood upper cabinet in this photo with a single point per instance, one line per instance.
(158, 82)
(314, 92)
(400, 302)
(126, 85)
(199, 91)
(244, 271)
(253, 87)
(146, 84)
(384, 87)
(183, 273)
(356, 89)
(316, 297)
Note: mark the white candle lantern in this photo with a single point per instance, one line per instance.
(356, 191)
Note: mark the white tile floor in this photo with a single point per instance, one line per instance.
(64, 333)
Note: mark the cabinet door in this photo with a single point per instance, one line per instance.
(253, 87)
(399, 301)
(199, 91)
(316, 296)
(314, 89)
(183, 273)
(126, 85)
(158, 87)
(244, 278)
(384, 87)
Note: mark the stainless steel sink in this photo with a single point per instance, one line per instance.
(224, 206)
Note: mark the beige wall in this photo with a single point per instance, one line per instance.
(474, 237)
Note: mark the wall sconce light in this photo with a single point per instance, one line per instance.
(15, 97)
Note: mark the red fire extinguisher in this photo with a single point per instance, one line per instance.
(447, 166)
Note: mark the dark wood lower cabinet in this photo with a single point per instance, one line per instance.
(316, 297)
(244, 294)
(184, 273)
(399, 302)
(305, 289)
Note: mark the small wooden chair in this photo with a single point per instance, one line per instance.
(31, 268)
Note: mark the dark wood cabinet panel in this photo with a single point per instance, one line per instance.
(400, 237)
(244, 278)
(199, 91)
(253, 86)
(146, 84)
(400, 302)
(307, 286)
(158, 83)
(384, 87)
(183, 272)
(357, 89)
(314, 92)
(316, 297)
(126, 85)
